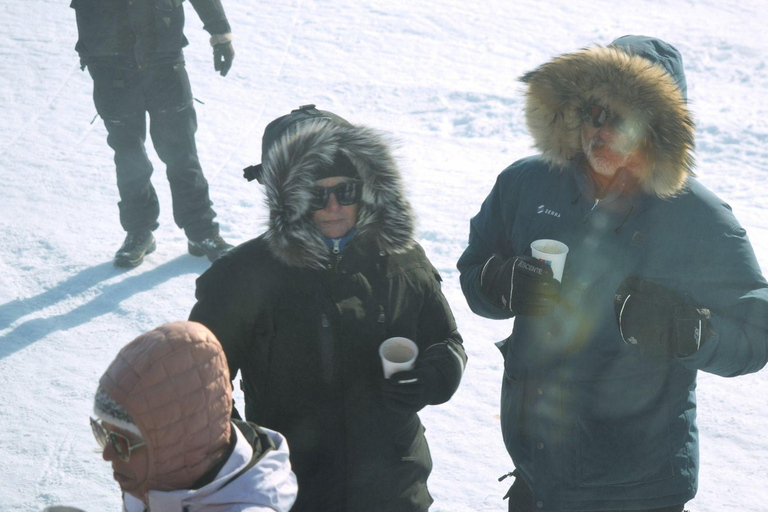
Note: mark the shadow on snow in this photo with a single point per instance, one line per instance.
(106, 302)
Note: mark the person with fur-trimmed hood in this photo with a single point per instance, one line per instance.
(302, 309)
(598, 399)
(163, 418)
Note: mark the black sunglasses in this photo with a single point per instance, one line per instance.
(121, 444)
(347, 193)
(597, 116)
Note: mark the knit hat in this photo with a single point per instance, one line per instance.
(341, 166)
(112, 412)
(171, 386)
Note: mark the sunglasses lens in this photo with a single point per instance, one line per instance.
(599, 116)
(99, 433)
(118, 442)
(347, 193)
(121, 444)
(319, 198)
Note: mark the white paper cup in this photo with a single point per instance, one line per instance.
(397, 355)
(551, 252)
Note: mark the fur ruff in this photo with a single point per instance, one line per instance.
(385, 217)
(638, 90)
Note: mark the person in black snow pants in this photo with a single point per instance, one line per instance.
(302, 309)
(598, 404)
(133, 52)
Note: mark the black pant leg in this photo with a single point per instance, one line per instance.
(173, 123)
(118, 98)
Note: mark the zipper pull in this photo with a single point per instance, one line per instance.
(336, 249)
(504, 477)
(382, 317)
(597, 201)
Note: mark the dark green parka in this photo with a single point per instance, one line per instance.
(592, 423)
(137, 33)
(303, 326)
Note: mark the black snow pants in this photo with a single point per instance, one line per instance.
(122, 98)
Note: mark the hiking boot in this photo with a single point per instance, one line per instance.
(212, 247)
(137, 244)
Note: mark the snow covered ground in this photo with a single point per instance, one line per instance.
(440, 75)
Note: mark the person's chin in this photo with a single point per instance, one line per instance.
(335, 229)
(604, 161)
(126, 483)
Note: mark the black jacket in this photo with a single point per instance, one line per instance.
(137, 33)
(306, 342)
(304, 331)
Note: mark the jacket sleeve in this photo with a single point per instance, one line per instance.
(444, 347)
(732, 287)
(486, 238)
(222, 299)
(211, 13)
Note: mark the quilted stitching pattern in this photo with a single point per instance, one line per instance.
(174, 381)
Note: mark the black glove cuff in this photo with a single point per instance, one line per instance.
(495, 283)
(489, 271)
(691, 329)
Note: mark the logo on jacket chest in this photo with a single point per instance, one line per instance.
(547, 211)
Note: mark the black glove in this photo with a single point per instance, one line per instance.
(411, 390)
(223, 54)
(522, 285)
(657, 319)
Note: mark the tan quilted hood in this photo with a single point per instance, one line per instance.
(174, 383)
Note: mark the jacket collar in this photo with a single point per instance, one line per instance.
(269, 483)
(622, 200)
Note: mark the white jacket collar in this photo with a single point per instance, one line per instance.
(269, 486)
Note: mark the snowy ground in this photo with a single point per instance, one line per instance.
(441, 75)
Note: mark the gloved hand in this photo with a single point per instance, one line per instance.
(223, 52)
(523, 285)
(411, 390)
(656, 319)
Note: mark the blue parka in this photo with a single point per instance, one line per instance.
(592, 423)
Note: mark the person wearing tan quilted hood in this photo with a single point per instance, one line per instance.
(163, 412)
(598, 407)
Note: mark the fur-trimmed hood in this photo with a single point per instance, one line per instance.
(638, 78)
(289, 158)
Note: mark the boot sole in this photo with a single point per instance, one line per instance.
(128, 263)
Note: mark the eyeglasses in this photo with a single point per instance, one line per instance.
(598, 116)
(347, 193)
(121, 444)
